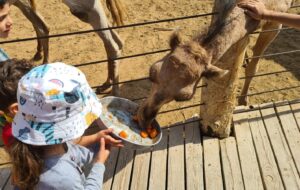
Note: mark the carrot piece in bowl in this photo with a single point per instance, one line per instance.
(144, 134)
(123, 134)
(153, 133)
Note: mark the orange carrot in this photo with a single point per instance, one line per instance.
(144, 134)
(153, 133)
(123, 134)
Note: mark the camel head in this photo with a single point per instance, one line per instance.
(175, 77)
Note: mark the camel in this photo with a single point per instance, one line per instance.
(216, 56)
(89, 11)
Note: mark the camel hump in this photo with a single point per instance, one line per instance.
(33, 5)
(117, 10)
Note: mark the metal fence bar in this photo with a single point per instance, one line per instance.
(166, 50)
(182, 108)
(272, 30)
(273, 54)
(123, 82)
(181, 123)
(266, 74)
(269, 91)
(124, 57)
(109, 28)
(253, 76)
(254, 108)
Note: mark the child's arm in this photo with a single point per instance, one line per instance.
(288, 19)
(95, 138)
(95, 178)
(257, 10)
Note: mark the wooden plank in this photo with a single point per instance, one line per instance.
(176, 159)
(296, 111)
(247, 155)
(193, 157)
(231, 165)
(291, 132)
(268, 167)
(281, 151)
(4, 176)
(110, 166)
(159, 164)
(141, 170)
(212, 164)
(123, 170)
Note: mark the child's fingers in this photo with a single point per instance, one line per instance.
(114, 141)
(247, 6)
(107, 131)
(102, 144)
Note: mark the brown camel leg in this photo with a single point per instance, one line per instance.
(261, 45)
(40, 28)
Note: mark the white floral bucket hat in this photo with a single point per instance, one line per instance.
(56, 104)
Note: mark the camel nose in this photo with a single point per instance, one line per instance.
(144, 119)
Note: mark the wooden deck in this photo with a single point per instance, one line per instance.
(263, 153)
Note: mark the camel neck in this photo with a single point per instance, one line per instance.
(237, 26)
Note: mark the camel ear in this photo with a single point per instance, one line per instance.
(213, 71)
(175, 40)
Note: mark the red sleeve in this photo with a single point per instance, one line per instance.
(7, 135)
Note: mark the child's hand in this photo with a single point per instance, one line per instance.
(254, 8)
(109, 139)
(103, 153)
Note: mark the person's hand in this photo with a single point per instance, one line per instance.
(254, 8)
(103, 153)
(109, 139)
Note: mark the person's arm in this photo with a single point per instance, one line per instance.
(95, 178)
(95, 138)
(257, 10)
(288, 19)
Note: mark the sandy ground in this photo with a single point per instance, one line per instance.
(88, 47)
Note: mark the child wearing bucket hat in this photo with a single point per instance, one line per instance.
(56, 105)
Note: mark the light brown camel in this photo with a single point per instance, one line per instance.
(89, 11)
(176, 75)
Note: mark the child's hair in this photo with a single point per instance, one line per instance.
(2, 3)
(11, 71)
(27, 164)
